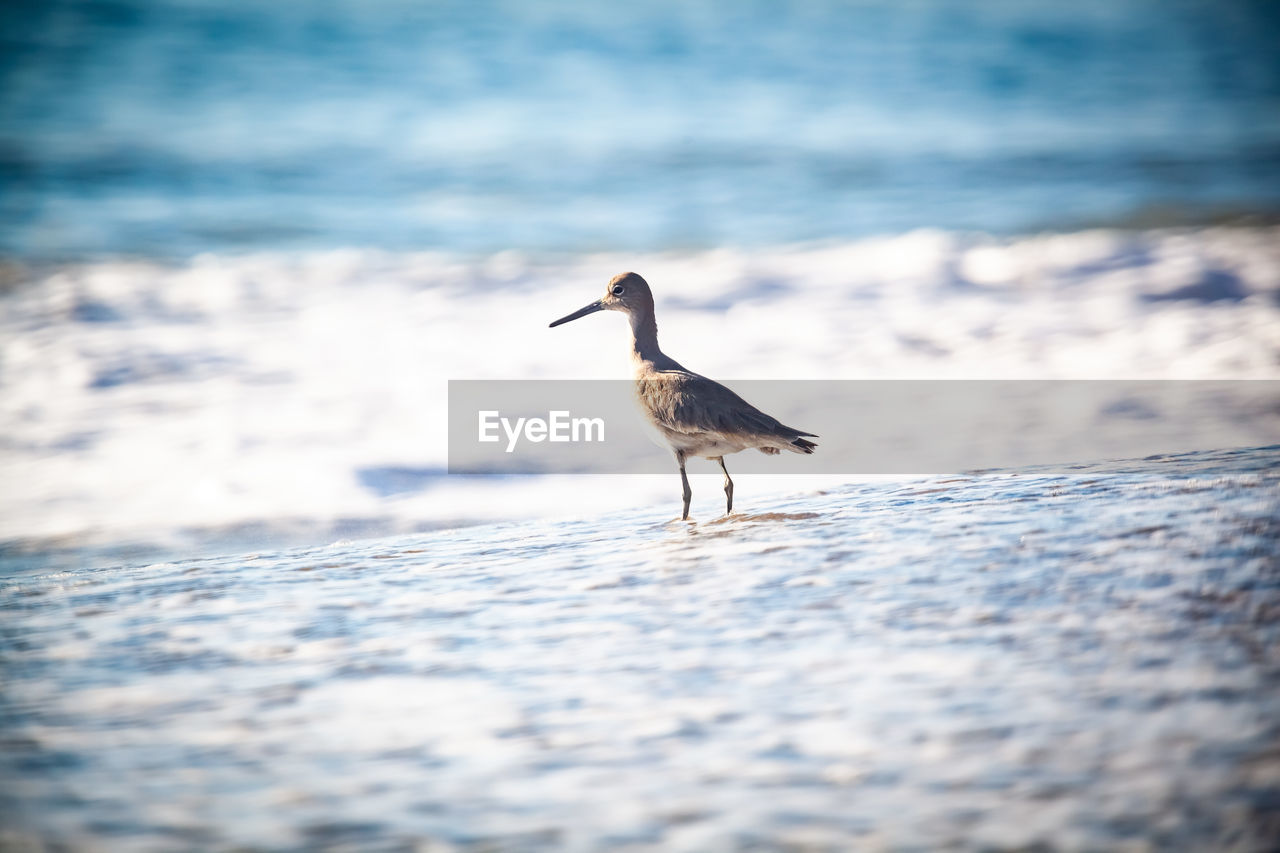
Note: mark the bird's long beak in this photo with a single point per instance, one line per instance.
(581, 312)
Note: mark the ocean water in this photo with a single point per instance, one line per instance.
(244, 246)
(170, 127)
(1074, 660)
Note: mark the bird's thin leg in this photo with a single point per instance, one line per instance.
(728, 486)
(687, 492)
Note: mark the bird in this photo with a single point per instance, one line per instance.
(694, 415)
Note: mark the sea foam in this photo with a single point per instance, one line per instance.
(301, 396)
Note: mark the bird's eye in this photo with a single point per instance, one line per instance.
(617, 290)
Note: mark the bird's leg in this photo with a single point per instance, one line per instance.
(687, 492)
(728, 486)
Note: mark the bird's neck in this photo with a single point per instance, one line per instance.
(644, 339)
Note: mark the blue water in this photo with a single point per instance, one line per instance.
(166, 128)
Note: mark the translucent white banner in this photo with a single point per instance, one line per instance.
(864, 427)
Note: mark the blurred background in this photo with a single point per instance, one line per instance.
(162, 128)
(245, 244)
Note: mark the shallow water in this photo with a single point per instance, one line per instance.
(1081, 658)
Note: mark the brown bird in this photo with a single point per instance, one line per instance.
(695, 415)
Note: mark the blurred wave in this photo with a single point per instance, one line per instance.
(172, 127)
(224, 401)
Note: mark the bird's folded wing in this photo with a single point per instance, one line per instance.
(693, 404)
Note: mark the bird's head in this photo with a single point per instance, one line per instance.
(626, 292)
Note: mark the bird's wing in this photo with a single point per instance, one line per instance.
(686, 402)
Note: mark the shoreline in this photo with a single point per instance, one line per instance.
(100, 550)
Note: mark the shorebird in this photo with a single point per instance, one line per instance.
(696, 416)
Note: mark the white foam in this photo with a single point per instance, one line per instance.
(137, 399)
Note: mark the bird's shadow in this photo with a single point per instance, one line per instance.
(744, 518)
(726, 525)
